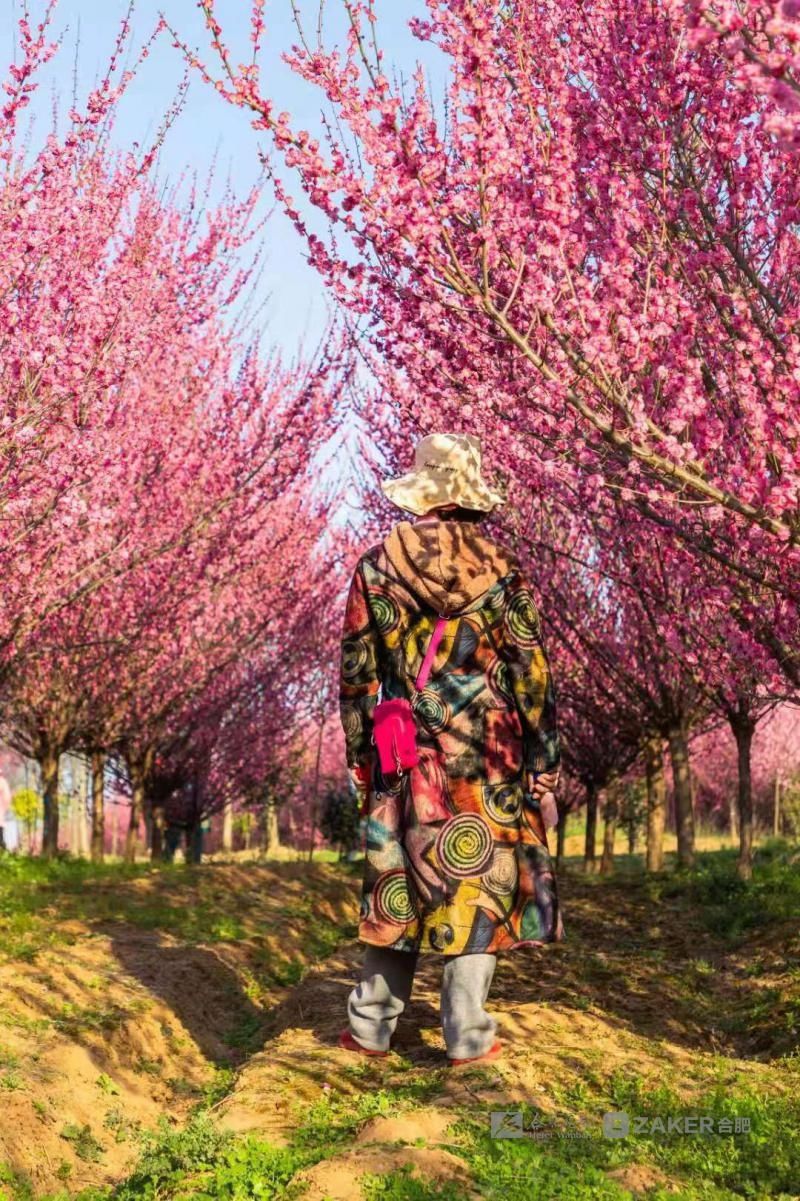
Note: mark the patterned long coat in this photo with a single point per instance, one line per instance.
(456, 850)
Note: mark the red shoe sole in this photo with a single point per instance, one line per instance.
(349, 1043)
(494, 1052)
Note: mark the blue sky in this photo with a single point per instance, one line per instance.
(296, 310)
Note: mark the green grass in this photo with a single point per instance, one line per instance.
(202, 1163)
(76, 1020)
(34, 891)
(333, 1120)
(763, 1162)
(713, 892)
(85, 1145)
(402, 1186)
(730, 906)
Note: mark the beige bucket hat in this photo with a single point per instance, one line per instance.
(447, 471)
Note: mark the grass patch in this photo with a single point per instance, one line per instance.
(200, 1162)
(403, 1186)
(550, 1162)
(38, 896)
(569, 1159)
(761, 1160)
(731, 907)
(76, 1020)
(221, 1084)
(84, 1143)
(203, 1163)
(247, 1035)
(333, 1120)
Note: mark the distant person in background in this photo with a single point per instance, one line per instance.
(184, 822)
(457, 861)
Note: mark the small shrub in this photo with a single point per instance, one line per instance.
(83, 1141)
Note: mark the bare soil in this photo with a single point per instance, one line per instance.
(115, 1027)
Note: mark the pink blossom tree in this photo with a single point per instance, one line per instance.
(158, 498)
(590, 260)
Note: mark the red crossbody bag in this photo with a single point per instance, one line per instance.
(394, 725)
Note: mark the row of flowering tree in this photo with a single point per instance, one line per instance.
(589, 257)
(651, 660)
(162, 543)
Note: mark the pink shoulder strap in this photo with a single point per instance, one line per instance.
(430, 654)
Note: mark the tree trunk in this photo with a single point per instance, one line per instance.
(589, 853)
(733, 816)
(743, 728)
(315, 800)
(98, 807)
(115, 831)
(682, 788)
(74, 821)
(561, 836)
(272, 837)
(227, 827)
(137, 809)
(157, 824)
(656, 803)
(83, 828)
(776, 808)
(194, 842)
(610, 814)
(48, 766)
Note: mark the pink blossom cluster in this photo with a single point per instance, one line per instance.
(761, 40)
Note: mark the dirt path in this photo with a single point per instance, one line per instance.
(640, 991)
(143, 997)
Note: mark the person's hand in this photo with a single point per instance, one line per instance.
(541, 788)
(360, 776)
(539, 785)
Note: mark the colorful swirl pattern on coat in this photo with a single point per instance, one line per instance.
(355, 655)
(456, 859)
(432, 711)
(464, 845)
(522, 620)
(385, 611)
(392, 898)
(503, 874)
